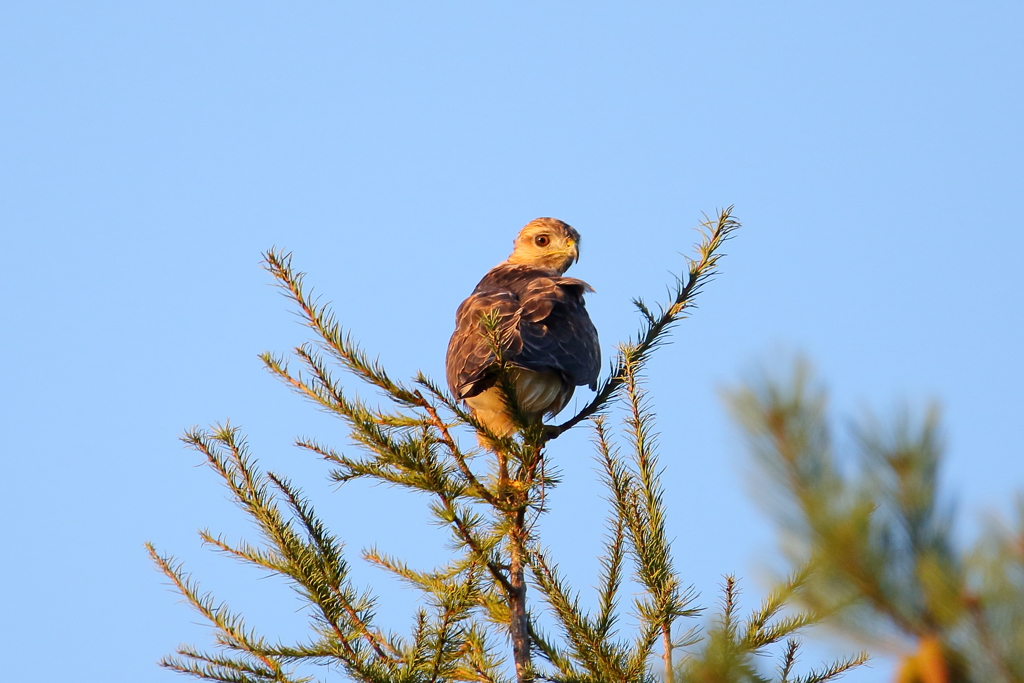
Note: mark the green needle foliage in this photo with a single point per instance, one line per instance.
(476, 605)
(877, 540)
(730, 652)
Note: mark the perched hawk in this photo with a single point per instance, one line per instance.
(550, 340)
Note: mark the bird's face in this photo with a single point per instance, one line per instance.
(547, 243)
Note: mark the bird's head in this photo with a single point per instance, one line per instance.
(547, 243)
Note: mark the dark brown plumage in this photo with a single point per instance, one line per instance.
(550, 340)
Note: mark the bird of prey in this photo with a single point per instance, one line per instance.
(547, 335)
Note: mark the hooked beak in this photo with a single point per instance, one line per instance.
(574, 251)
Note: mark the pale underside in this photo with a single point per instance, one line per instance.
(538, 394)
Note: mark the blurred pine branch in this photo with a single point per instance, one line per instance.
(878, 541)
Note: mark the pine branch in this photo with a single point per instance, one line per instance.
(429, 582)
(834, 671)
(758, 632)
(624, 498)
(324, 390)
(788, 660)
(316, 568)
(653, 333)
(256, 666)
(646, 510)
(642, 510)
(597, 654)
(334, 339)
(610, 579)
(241, 550)
(481, 664)
(225, 669)
(733, 646)
(553, 654)
(458, 456)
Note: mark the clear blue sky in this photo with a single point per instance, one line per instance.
(150, 151)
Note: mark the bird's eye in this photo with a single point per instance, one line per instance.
(541, 240)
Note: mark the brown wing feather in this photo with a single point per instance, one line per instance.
(469, 354)
(556, 331)
(548, 329)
